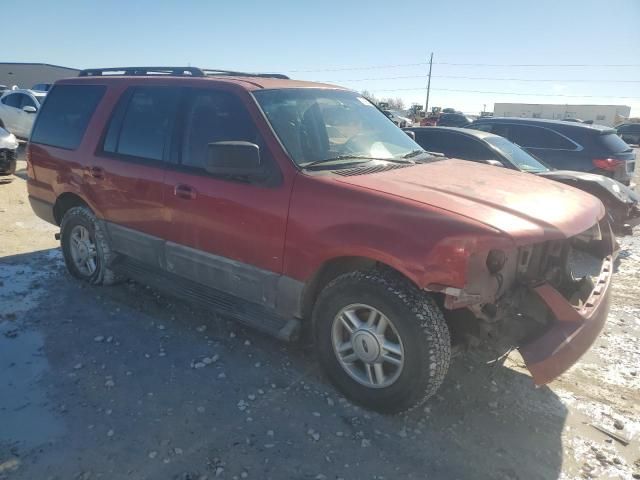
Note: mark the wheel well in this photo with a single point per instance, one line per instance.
(64, 202)
(331, 270)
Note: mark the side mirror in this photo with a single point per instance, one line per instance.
(234, 158)
(411, 134)
(29, 109)
(494, 163)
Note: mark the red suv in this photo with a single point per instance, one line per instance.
(295, 206)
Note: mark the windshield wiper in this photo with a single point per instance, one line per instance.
(353, 157)
(414, 153)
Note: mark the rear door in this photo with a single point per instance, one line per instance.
(226, 233)
(126, 174)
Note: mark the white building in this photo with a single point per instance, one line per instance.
(600, 114)
(26, 75)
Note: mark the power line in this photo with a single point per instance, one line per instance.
(481, 78)
(421, 64)
(501, 93)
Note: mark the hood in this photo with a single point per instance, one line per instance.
(8, 140)
(595, 184)
(527, 208)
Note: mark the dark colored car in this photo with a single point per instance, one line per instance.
(296, 206)
(453, 120)
(630, 133)
(621, 202)
(567, 145)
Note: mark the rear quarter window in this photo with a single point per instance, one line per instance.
(65, 115)
(612, 143)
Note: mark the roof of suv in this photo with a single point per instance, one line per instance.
(550, 123)
(248, 81)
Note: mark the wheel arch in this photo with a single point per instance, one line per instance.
(333, 268)
(64, 202)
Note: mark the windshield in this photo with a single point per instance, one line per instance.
(317, 125)
(523, 160)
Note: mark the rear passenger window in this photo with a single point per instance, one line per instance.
(214, 116)
(612, 143)
(142, 123)
(64, 116)
(536, 137)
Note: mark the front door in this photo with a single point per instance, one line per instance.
(11, 112)
(225, 232)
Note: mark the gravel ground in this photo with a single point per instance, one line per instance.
(122, 382)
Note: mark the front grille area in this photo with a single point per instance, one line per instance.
(6, 157)
(349, 172)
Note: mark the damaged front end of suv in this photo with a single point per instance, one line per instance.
(549, 299)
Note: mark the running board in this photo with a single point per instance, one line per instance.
(247, 313)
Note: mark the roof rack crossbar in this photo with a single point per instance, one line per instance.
(212, 72)
(141, 71)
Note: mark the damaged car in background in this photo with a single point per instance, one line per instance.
(8, 152)
(621, 202)
(299, 208)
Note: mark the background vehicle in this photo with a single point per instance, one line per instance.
(8, 155)
(18, 110)
(567, 145)
(397, 118)
(453, 120)
(293, 205)
(42, 87)
(621, 202)
(629, 132)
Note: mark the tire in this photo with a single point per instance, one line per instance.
(417, 327)
(82, 219)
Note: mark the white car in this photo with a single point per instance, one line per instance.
(18, 110)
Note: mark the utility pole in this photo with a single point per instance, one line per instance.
(426, 107)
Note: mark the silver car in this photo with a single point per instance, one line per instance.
(18, 110)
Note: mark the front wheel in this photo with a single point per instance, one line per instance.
(381, 341)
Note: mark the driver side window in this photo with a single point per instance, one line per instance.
(216, 116)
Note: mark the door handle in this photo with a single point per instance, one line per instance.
(96, 172)
(184, 191)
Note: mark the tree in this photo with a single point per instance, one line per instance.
(369, 96)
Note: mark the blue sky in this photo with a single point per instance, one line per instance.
(312, 40)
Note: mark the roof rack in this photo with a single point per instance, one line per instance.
(173, 71)
(138, 71)
(215, 72)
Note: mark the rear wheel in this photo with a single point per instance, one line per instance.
(381, 341)
(85, 247)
